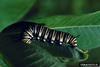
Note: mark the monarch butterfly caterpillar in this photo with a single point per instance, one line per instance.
(46, 34)
(51, 36)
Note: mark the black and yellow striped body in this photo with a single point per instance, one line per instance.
(45, 34)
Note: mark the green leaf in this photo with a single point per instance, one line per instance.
(13, 10)
(84, 26)
(37, 53)
(68, 21)
(87, 26)
(89, 36)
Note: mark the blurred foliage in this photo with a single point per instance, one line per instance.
(13, 10)
(3, 61)
(79, 17)
(45, 8)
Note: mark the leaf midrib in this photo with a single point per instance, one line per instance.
(83, 26)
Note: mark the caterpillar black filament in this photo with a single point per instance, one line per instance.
(45, 34)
